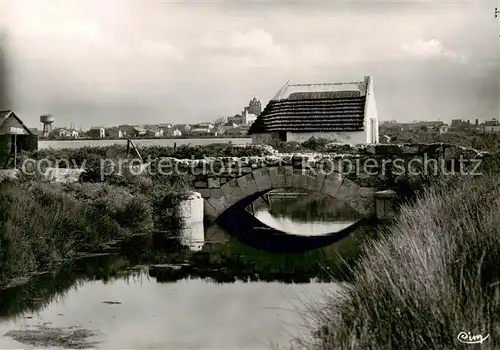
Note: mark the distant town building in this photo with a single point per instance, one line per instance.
(114, 132)
(177, 133)
(183, 128)
(97, 132)
(138, 131)
(249, 118)
(463, 125)
(64, 133)
(167, 132)
(223, 129)
(202, 129)
(132, 131)
(153, 131)
(491, 126)
(340, 112)
(205, 125)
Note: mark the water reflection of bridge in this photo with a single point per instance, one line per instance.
(274, 220)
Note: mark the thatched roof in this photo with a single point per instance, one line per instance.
(312, 112)
(313, 108)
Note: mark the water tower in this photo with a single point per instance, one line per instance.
(47, 120)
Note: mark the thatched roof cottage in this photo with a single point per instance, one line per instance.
(341, 112)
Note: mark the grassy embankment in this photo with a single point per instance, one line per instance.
(44, 223)
(431, 275)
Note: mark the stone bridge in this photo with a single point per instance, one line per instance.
(356, 175)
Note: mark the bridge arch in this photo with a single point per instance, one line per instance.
(243, 190)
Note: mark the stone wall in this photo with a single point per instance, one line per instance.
(371, 165)
(265, 138)
(351, 173)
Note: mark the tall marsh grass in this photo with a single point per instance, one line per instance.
(44, 223)
(431, 275)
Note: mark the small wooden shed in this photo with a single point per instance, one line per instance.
(14, 137)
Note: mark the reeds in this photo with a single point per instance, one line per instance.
(42, 223)
(432, 275)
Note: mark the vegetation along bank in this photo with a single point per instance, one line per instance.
(430, 275)
(43, 223)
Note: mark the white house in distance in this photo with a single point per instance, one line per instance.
(340, 112)
(114, 132)
(65, 133)
(97, 132)
(249, 118)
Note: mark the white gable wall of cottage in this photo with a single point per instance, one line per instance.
(371, 116)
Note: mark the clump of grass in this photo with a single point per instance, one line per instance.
(316, 143)
(431, 275)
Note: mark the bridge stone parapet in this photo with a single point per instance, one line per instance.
(349, 173)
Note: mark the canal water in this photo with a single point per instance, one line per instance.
(153, 293)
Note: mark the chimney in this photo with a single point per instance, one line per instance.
(468, 121)
(477, 122)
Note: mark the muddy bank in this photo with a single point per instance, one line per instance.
(44, 335)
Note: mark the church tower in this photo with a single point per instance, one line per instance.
(255, 107)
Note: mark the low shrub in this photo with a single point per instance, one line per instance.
(313, 144)
(316, 143)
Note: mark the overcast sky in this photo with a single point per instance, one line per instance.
(115, 62)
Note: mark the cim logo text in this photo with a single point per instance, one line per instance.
(467, 338)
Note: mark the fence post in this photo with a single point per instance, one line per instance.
(15, 149)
